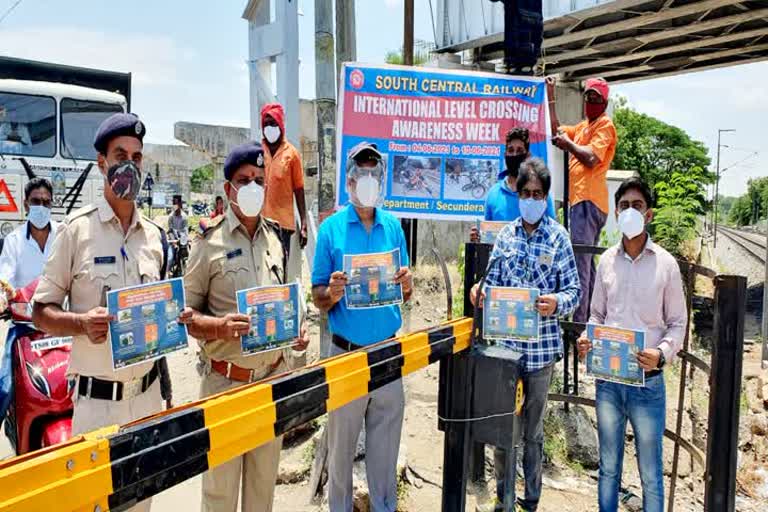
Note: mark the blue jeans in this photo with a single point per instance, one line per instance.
(646, 410)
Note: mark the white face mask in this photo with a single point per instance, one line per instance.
(631, 223)
(39, 216)
(250, 199)
(271, 133)
(367, 190)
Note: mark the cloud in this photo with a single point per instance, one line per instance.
(393, 4)
(153, 60)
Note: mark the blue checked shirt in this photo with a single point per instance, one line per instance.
(543, 260)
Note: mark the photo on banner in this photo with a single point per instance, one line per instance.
(441, 132)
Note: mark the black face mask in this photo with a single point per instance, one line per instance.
(513, 163)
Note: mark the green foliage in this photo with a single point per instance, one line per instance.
(656, 149)
(458, 296)
(750, 207)
(679, 202)
(420, 55)
(201, 177)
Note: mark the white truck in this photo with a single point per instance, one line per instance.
(49, 115)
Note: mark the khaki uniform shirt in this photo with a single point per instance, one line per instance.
(91, 255)
(224, 261)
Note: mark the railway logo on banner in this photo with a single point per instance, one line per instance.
(441, 132)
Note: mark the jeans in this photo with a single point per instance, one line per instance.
(645, 407)
(586, 223)
(536, 387)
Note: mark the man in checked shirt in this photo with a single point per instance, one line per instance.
(534, 251)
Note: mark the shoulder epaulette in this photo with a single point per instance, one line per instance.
(212, 223)
(81, 212)
(271, 225)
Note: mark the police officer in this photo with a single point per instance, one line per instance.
(361, 227)
(105, 246)
(239, 250)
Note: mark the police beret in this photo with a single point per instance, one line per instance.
(118, 125)
(248, 153)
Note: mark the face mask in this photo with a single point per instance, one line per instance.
(631, 223)
(39, 216)
(594, 110)
(250, 199)
(513, 164)
(532, 210)
(367, 190)
(125, 180)
(271, 133)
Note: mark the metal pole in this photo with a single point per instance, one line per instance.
(346, 47)
(725, 394)
(410, 226)
(764, 325)
(717, 190)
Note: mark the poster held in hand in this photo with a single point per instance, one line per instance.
(275, 317)
(511, 314)
(145, 323)
(613, 357)
(489, 230)
(370, 280)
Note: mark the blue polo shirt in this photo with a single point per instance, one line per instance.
(343, 233)
(502, 203)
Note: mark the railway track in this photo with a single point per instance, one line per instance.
(753, 243)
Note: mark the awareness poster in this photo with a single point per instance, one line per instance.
(441, 132)
(613, 355)
(510, 314)
(370, 280)
(275, 317)
(145, 325)
(489, 230)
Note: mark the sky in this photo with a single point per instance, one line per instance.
(189, 63)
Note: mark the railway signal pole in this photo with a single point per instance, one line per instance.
(717, 183)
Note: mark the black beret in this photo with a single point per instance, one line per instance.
(118, 125)
(248, 153)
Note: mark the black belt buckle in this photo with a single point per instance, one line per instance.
(91, 387)
(344, 344)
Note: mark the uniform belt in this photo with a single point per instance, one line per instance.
(344, 344)
(234, 372)
(653, 373)
(91, 387)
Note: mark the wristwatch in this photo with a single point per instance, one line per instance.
(662, 359)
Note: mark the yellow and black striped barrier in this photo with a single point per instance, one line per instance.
(115, 467)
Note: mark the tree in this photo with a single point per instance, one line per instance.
(202, 178)
(655, 149)
(421, 52)
(679, 202)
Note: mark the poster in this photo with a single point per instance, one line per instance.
(145, 324)
(613, 354)
(511, 314)
(370, 280)
(275, 313)
(489, 230)
(441, 133)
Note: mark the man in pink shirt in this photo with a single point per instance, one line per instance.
(638, 286)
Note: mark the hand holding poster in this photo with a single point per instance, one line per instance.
(145, 325)
(614, 352)
(510, 314)
(275, 317)
(370, 280)
(489, 230)
(441, 133)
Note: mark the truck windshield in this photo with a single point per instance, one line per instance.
(79, 121)
(27, 125)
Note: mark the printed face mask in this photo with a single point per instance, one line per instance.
(124, 178)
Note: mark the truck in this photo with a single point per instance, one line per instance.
(49, 114)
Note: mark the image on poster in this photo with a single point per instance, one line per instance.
(441, 132)
(145, 325)
(275, 313)
(510, 314)
(489, 230)
(370, 280)
(613, 354)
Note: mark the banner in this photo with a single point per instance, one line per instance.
(442, 133)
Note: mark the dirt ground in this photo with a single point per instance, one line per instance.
(565, 489)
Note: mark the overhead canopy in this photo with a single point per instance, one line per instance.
(621, 40)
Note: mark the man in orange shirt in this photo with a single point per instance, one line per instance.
(285, 177)
(591, 144)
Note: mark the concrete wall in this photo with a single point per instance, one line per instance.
(173, 164)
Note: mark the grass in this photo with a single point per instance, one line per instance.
(555, 445)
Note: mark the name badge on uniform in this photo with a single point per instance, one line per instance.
(545, 259)
(104, 260)
(234, 254)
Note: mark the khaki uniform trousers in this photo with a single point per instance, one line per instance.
(256, 470)
(90, 414)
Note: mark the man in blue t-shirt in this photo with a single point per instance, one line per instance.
(361, 228)
(501, 203)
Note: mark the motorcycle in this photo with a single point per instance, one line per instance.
(36, 392)
(180, 253)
